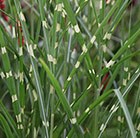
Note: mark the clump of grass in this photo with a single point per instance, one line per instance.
(69, 69)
